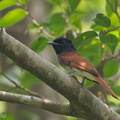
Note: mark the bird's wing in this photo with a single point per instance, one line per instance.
(73, 59)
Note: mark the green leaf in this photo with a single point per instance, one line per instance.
(109, 10)
(57, 19)
(12, 17)
(28, 80)
(76, 16)
(7, 3)
(110, 68)
(57, 24)
(84, 38)
(39, 44)
(58, 30)
(23, 1)
(75, 21)
(116, 89)
(109, 39)
(73, 4)
(97, 27)
(102, 20)
(70, 35)
(58, 2)
(89, 83)
(114, 20)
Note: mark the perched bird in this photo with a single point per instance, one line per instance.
(70, 60)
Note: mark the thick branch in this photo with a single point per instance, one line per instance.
(83, 103)
(35, 102)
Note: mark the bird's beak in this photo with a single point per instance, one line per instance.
(52, 43)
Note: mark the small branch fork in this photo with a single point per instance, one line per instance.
(41, 28)
(37, 101)
(113, 29)
(21, 87)
(111, 58)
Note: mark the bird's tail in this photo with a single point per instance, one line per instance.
(105, 86)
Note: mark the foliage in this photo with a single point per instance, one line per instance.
(95, 33)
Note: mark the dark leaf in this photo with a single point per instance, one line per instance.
(70, 35)
(109, 39)
(102, 20)
(84, 38)
(73, 4)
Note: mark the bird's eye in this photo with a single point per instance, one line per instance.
(63, 42)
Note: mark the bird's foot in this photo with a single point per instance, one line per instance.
(83, 81)
(70, 73)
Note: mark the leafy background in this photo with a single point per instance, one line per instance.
(94, 28)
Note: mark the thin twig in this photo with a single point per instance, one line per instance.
(21, 87)
(113, 9)
(8, 90)
(35, 21)
(107, 31)
(113, 57)
(113, 29)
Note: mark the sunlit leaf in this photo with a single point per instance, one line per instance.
(110, 9)
(110, 68)
(102, 20)
(114, 20)
(7, 3)
(84, 38)
(12, 17)
(89, 83)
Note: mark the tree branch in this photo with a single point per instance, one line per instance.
(35, 102)
(21, 87)
(83, 104)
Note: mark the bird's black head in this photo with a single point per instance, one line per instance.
(62, 45)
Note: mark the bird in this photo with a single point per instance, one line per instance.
(75, 64)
